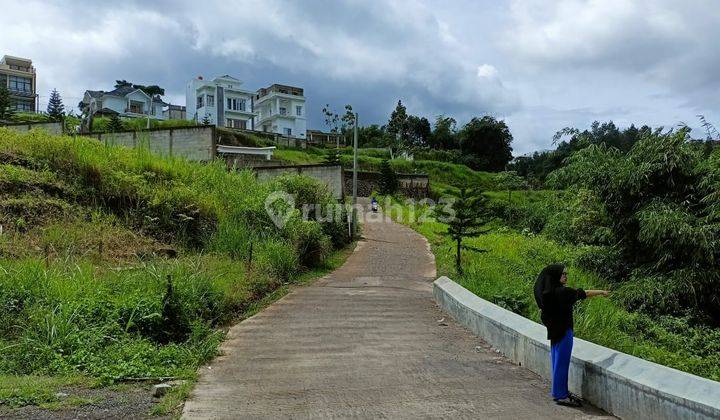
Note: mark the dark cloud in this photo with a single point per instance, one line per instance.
(542, 67)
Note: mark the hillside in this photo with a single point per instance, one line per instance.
(443, 175)
(117, 264)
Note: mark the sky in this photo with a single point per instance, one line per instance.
(539, 65)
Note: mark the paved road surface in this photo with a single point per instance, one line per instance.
(367, 342)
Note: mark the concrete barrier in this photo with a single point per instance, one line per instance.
(55, 128)
(620, 384)
(196, 143)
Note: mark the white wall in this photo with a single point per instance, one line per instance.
(115, 103)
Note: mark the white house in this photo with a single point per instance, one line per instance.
(221, 100)
(126, 101)
(281, 109)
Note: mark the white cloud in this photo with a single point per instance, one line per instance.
(487, 71)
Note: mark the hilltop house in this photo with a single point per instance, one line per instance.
(125, 101)
(18, 76)
(221, 101)
(281, 109)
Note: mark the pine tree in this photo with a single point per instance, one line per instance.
(332, 157)
(206, 120)
(115, 124)
(7, 111)
(388, 178)
(465, 216)
(55, 108)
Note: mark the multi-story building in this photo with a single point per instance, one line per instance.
(175, 112)
(281, 109)
(126, 101)
(18, 75)
(221, 101)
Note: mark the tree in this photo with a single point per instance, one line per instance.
(465, 215)
(373, 136)
(486, 141)
(419, 131)
(7, 110)
(398, 125)
(388, 178)
(55, 108)
(150, 90)
(206, 120)
(115, 124)
(510, 181)
(444, 134)
(332, 119)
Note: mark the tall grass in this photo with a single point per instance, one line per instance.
(84, 290)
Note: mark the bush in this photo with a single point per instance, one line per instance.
(661, 204)
(579, 218)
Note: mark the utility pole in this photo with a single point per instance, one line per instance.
(355, 154)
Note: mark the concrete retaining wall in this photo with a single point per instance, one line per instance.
(55, 128)
(330, 175)
(623, 385)
(409, 185)
(193, 143)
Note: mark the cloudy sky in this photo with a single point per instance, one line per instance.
(537, 64)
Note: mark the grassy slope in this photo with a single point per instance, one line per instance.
(87, 231)
(505, 275)
(443, 175)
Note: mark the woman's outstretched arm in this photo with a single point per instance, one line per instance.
(593, 293)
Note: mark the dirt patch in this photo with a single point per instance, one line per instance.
(126, 402)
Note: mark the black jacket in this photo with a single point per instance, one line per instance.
(557, 311)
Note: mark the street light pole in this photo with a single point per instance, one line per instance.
(355, 154)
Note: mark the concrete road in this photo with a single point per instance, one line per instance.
(367, 341)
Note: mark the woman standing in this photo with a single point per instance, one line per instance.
(556, 312)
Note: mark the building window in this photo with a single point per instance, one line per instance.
(210, 100)
(283, 110)
(20, 84)
(235, 123)
(136, 107)
(287, 131)
(298, 111)
(199, 103)
(23, 106)
(236, 104)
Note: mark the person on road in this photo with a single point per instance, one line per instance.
(556, 301)
(374, 204)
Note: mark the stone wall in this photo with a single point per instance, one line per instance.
(192, 143)
(330, 175)
(623, 385)
(410, 185)
(55, 128)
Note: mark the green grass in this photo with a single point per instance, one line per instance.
(444, 176)
(92, 233)
(506, 274)
(18, 391)
(100, 124)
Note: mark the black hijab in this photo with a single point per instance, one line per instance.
(547, 281)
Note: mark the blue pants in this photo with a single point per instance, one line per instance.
(560, 359)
